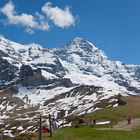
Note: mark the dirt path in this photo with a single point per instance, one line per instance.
(124, 126)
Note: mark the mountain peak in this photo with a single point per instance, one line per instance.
(35, 46)
(78, 39)
(78, 44)
(81, 42)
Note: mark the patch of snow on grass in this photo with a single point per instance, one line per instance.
(115, 105)
(8, 133)
(104, 122)
(20, 128)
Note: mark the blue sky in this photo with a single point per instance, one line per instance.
(111, 25)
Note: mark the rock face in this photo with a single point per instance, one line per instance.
(7, 71)
(135, 71)
(30, 77)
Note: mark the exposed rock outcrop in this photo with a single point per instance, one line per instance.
(7, 71)
(30, 77)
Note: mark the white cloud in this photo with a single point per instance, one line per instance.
(27, 20)
(29, 31)
(61, 18)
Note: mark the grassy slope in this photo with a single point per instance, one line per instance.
(119, 113)
(92, 134)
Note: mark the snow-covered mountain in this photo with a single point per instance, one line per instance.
(71, 80)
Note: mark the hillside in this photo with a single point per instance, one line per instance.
(117, 130)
